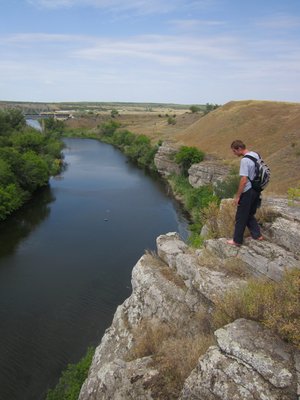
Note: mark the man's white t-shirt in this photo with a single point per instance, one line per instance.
(247, 168)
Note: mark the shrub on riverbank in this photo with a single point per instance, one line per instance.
(72, 379)
(187, 156)
(27, 159)
(194, 200)
(137, 148)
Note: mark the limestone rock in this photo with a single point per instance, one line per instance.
(286, 233)
(164, 160)
(121, 380)
(283, 207)
(262, 258)
(190, 265)
(173, 286)
(207, 172)
(157, 293)
(169, 246)
(248, 363)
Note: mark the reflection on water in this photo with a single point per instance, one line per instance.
(23, 222)
(34, 124)
(66, 261)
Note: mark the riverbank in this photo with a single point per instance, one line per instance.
(214, 292)
(187, 329)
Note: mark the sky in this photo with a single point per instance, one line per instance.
(166, 51)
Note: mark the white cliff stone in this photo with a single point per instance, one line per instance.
(262, 258)
(164, 160)
(249, 363)
(119, 380)
(169, 246)
(207, 172)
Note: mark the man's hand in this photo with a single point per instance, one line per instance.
(242, 184)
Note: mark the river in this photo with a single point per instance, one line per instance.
(66, 259)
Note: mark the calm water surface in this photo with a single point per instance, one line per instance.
(66, 261)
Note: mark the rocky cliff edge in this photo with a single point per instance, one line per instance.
(177, 287)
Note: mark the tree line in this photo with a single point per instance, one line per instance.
(27, 159)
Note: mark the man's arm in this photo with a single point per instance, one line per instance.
(242, 184)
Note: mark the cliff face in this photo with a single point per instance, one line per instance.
(164, 160)
(204, 173)
(174, 287)
(207, 172)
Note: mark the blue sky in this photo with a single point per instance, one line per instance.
(179, 51)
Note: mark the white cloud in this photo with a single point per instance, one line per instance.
(160, 67)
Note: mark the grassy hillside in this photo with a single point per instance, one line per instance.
(271, 128)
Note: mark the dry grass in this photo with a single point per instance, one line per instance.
(209, 218)
(275, 305)
(235, 266)
(174, 354)
(176, 360)
(148, 337)
(226, 218)
(209, 259)
(271, 128)
(266, 214)
(155, 261)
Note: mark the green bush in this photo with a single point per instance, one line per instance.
(137, 148)
(109, 128)
(194, 201)
(52, 125)
(11, 120)
(293, 195)
(11, 198)
(195, 109)
(72, 379)
(171, 121)
(187, 156)
(27, 159)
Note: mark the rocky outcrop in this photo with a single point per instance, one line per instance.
(248, 362)
(261, 258)
(176, 285)
(285, 229)
(207, 172)
(164, 160)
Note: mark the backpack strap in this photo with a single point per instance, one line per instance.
(254, 159)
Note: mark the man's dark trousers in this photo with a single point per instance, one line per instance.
(245, 216)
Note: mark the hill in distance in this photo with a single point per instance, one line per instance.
(270, 128)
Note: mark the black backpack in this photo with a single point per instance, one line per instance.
(262, 173)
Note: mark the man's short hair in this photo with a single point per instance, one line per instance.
(238, 144)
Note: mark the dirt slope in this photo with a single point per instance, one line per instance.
(271, 128)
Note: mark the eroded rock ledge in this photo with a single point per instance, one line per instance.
(247, 361)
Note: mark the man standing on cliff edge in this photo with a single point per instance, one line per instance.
(246, 199)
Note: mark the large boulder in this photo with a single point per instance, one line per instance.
(164, 160)
(247, 363)
(207, 172)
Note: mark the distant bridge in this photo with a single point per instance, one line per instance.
(44, 115)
